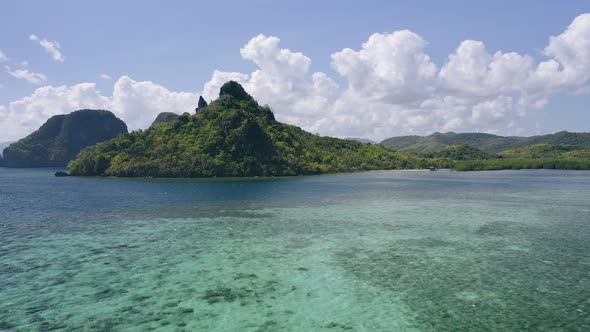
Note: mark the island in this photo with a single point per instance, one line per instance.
(61, 138)
(232, 136)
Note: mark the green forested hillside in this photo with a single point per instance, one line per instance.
(61, 138)
(548, 156)
(437, 141)
(462, 152)
(408, 143)
(362, 140)
(577, 140)
(537, 151)
(541, 163)
(542, 146)
(582, 153)
(233, 136)
(477, 151)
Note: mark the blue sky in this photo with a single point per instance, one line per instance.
(178, 44)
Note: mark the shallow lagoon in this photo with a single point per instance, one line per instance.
(376, 251)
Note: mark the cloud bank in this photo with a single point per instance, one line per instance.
(137, 103)
(35, 78)
(392, 87)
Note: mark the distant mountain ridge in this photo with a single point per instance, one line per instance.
(61, 138)
(164, 117)
(492, 144)
(362, 140)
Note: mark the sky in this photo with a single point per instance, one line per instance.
(371, 69)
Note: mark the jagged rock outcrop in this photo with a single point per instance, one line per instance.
(202, 102)
(62, 137)
(234, 89)
(201, 105)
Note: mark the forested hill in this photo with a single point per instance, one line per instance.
(232, 136)
(164, 117)
(577, 140)
(437, 141)
(492, 144)
(61, 138)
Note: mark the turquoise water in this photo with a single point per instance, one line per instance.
(376, 251)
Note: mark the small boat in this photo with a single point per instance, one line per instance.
(432, 168)
(60, 174)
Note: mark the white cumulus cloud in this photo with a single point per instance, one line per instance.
(105, 77)
(392, 87)
(136, 103)
(3, 57)
(390, 68)
(282, 81)
(35, 78)
(51, 47)
(571, 50)
(25, 115)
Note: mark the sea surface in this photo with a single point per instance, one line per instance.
(375, 251)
